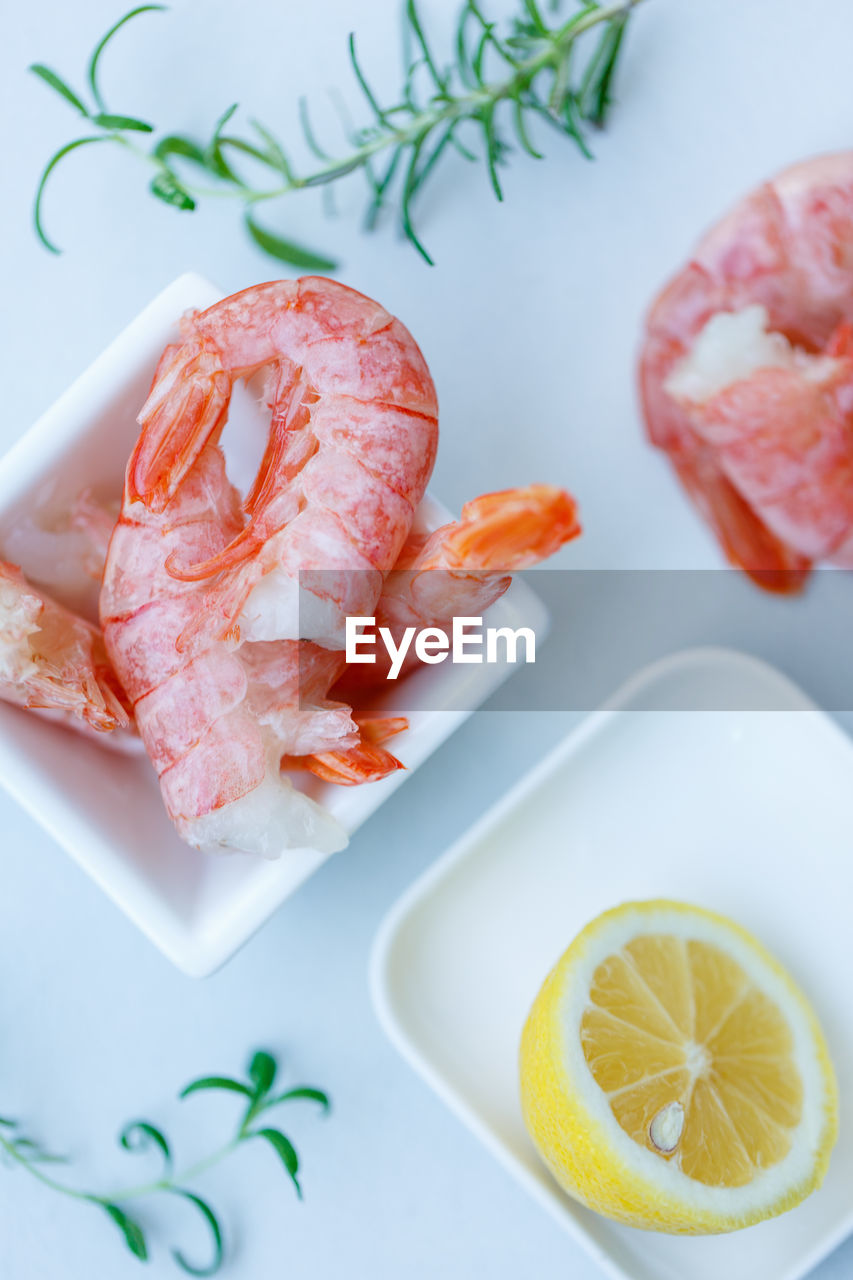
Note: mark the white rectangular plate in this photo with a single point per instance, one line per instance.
(105, 808)
(748, 812)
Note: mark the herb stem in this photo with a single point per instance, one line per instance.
(141, 1135)
(435, 103)
(453, 110)
(11, 1150)
(134, 1192)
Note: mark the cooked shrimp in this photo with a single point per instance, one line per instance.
(747, 374)
(52, 660)
(201, 605)
(463, 567)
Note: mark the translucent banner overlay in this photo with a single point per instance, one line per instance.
(593, 630)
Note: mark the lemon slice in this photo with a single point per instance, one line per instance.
(673, 1076)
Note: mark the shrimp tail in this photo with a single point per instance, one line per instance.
(377, 729)
(364, 763)
(511, 529)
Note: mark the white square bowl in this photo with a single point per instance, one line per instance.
(746, 811)
(104, 808)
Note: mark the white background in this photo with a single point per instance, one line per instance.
(530, 324)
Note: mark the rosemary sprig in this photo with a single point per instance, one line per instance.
(258, 1096)
(496, 82)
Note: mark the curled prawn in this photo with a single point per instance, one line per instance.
(746, 374)
(54, 661)
(203, 612)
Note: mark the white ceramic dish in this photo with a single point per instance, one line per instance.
(747, 812)
(104, 808)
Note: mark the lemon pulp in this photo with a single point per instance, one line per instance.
(675, 1030)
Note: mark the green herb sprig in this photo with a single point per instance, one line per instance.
(496, 84)
(259, 1097)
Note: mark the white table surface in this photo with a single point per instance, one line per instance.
(529, 323)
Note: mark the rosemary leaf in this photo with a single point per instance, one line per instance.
(56, 82)
(175, 145)
(262, 1071)
(134, 1236)
(216, 1082)
(212, 1222)
(140, 1135)
(165, 187)
(95, 59)
(294, 255)
(285, 1151)
(108, 121)
(46, 172)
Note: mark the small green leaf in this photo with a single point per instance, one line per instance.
(213, 156)
(215, 1231)
(56, 82)
(224, 118)
(133, 1234)
(303, 1092)
(274, 154)
(362, 80)
(284, 1149)
(285, 250)
(536, 17)
(308, 130)
(332, 173)
(521, 128)
(104, 41)
(165, 187)
(493, 148)
(410, 184)
(9, 1124)
(46, 172)
(139, 1135)
(216, 1082)
(108, 121)
(246, 148)
(262, 1069)
(595, 88)
(175, 145)
(414, 21)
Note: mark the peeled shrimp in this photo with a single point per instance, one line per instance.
(463, 567)
(224, 654)
(54, 661)
(747, 374)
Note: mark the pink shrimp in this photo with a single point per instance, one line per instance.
(54, 661)
(746, 374)
(463, 567)
(201, 605)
